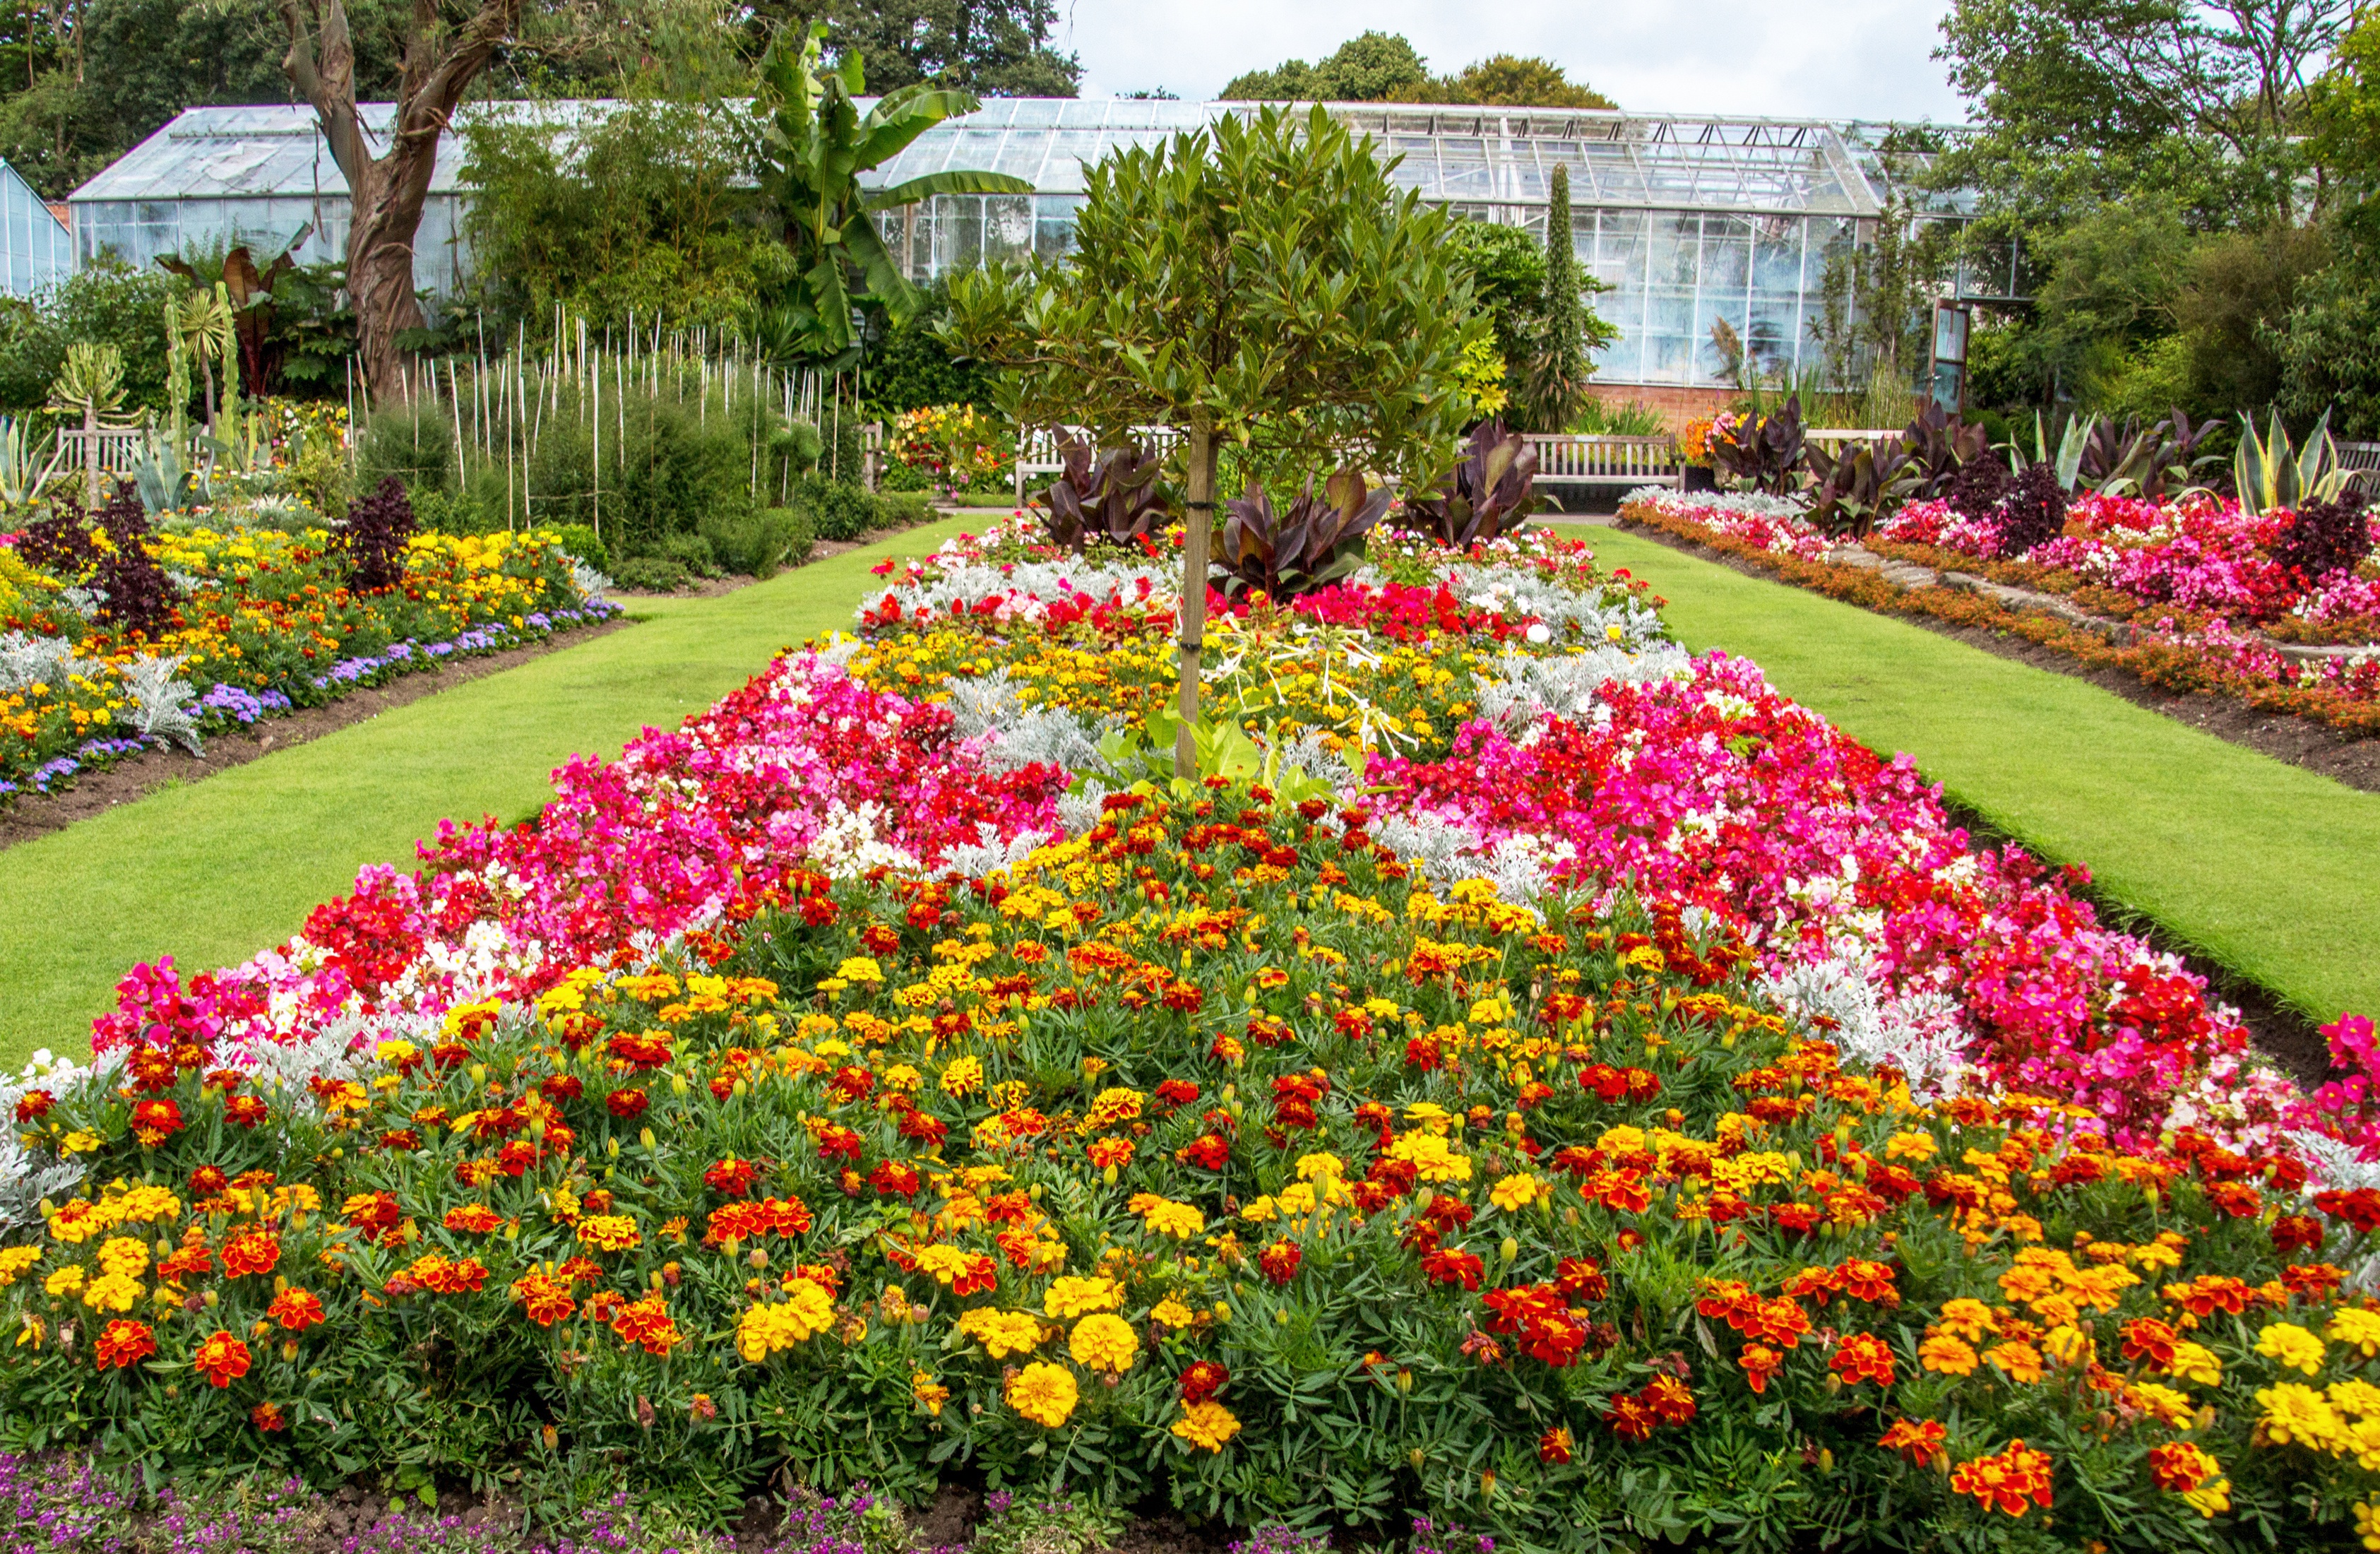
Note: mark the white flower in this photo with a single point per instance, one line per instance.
(1539, 635)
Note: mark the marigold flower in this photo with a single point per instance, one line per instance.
(1207, 1425)
(1173, 1313)
(220, 1359)
(2293, 1346)
(1516, 1192)
(731, 1176)
(2355, 1325)
(928, 1392)
(2147, 1338)
(252, 1252)
(1971, 1320)
(1045, 1393)
(123, 1344)
(2295, 1414)
(1760, 1362)
(1164, 1217)
(2179, 1466)
(2008, 1480)
(2021, 1362)
(646, 1324)
(1002, 1333)
(962, 1077)
(296, 1309)
(627, 1105)
(805, 1312)
(1279, 1261)
(1105, 1342)
(1071, 1297)
(609, 1232)
(1862, 1358)
(546, 1300)
(1554, 1446)
(1202, 1379)
(1918, 1441)
(15, 1260)
(475, 1219)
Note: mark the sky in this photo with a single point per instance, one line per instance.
(1822, 58)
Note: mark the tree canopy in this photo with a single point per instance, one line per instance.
(1384, 67)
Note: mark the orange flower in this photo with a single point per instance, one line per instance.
(123, 1344)
(221, 1358)
(2148, 1338)
(2006, 1480)
(253, 1252)
(2179, 1466)
(1948, 1354)
(1554, 1446)
(1760, 1362)
(268, 1417)
(296, 1309)
(1863, 1357)
(1919, 1441)
(2020, 1361)
(647, 1324)
(476, 1218)
(546, 1299)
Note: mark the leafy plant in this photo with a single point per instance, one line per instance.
(246, 292)
(2270, 473)
(1976, 491)
(1115, 498)
(2035, 511)
(1861, 483)
(1489, 493)
(815, 143)
(2326, 537)
(375, 534)
(1765, 451)
(135, 593)
(1317, 539)
(1939, 446)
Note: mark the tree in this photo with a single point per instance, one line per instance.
(1512, 80)
(815, 143)
(1555, 387)
(444, 53)
(993, 48)
(1384, 67)
(1260, 283)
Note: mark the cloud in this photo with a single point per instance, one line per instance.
(1822, 59)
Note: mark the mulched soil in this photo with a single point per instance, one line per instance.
(125, 781)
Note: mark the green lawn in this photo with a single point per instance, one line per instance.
(212, 872)
(2268, 870)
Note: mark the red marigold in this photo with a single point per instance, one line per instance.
(125, 1343)
(1917, 1440)
(1202, 1380)
(895, 1178)
(296, 1309)
(268, 1417)
(2150, 1338)
(220, 1359)
(1208, 1153)
(2296, 1233)
(546, 1300)
(2006, 1480)
(646, 1324)
(1176, 1092)
(1454, 1266)
(1672, 1400)
(1862, 1358)
(1280, 1261)
(627, 1105)
(153, 1121)
(34, 1105)
(2180, 1467)
(207, 1182)
(248, 1112)
(1760, 1362)
(1629, 1419)
(837, 1142)
(1582, 1279)
(250, 1252)
(640, 1050)
(560, 1087)
(476, 1219)
(1554, 1446)
(732, 1176)
(1781, 1322)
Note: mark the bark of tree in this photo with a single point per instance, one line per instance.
(386, 192)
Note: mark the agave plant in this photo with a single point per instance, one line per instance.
(1489, 493)
(2095, 455)
(1764, 450)
(1864, 482)
(1317, 539)
(2271, 474)
(1114, 499)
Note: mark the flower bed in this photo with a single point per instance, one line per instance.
(2204, 602)
(1627, 1088)
(262, 623)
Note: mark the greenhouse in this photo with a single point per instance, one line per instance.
(34, 249)
(1690, 220)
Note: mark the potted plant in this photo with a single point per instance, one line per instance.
(1694, 449)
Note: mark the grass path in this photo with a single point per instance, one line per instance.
(2269, 870)
(212, 872)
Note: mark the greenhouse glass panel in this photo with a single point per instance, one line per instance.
(1672, 249)
(1007, 227)
(1727, 254)
(958, 232)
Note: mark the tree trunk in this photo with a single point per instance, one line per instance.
(1197, 533)
(386, 212)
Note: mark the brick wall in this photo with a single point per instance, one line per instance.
(1677, 405)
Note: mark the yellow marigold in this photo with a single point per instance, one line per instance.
(80, 1220)
(1071, 1297)
(859, 968)
(1321, 1167)
(2020, 1361)
(1105, 1341)
(2163, 1403)
(1971, 1320)
(1002, 1333)
(112, 1291)
(2211, 1499)
(2355, 1398)
(145, 1204)
(2355, 1325)
(2195, 1362)
(1173, 1313)
(2293, 1346)
(1044, 1394)
(122, 1255)
(962, 1077)
(2296, 1414)
(1164, 1217)
(14, 1261)
(1948, 1353)
(947, 1264)
(2367, 1524)
(63, 1281)
(1206, 1426)
(1516, 1192)
(927, 1391)
(2068, 1345)
(806, 1311)
(1431, 1158)
(609, 1232)
(2165, 1252)
(1909, 1144)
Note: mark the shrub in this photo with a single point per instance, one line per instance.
(651, 574)
(579, 541)
(903, 509)
(411, 441)
(447, 512)
(375, 534)
(2326, 537)
(1977, 488)
(2035, 511)
(840, 511)
(756, 543)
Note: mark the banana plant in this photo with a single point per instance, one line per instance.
(2271, 474)
(814, 144)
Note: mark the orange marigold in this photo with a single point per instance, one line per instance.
(645, 1323)
(2007, 1480)
(296, 1309)
(1918, 1441)
(220, 1359)
(1862, 1358)
(546, 1299)
(123, 1344)
(2179, 1466)
(253, 1252)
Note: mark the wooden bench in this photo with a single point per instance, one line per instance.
(2363, 458)
(1636, 461)
(1038, 451)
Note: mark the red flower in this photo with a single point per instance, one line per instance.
(1176, 1092)
(1582, 1279)
(1671, 1400)
(248, 1112)
(207, 1182)
(268, 1417)
(2150, 1337)
(1202, 1380)
(835, 1141)
(296, 1309)
(560, 1087)
(1629, 1419)
(1554, 1446)
(1862, 1358)
(35, 1105)
(640, 1050)
(895, 1178)
(154, 1120)
(1453, 1266)
(1208, 1153)
(1917, 1440)
(732, 1176)
(251, 1252)
(2297, 1233)
(627, 1105)
(1759, 1363)
(1280, 1261)
(2007, 1480)
(125, 1343)
(220, 1359)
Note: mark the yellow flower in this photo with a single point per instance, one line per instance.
(1516, 1192)
(2296, 1413)
(962, 1077)
(2195, 1362)
(64, 1281)
(1948, 1353)
(1971, 1320)
(78, 1142)
(806, 1311)
(1044, 1394)
(2163, 1403)
(2211, 1499)
(1173, 1314)
(122, 1255)
(1909, 1144)
(1070, 1297)
(859, 968)
(1206, 1426)
(1002, 1333)
(927, 1391)
(2367, 1525)
(15, 1260)
(1321, 1167)
(609, 1232)
(2293, 1346)
(2020, 1361)
(1430, 1157)
(2355, 1325)
(2356, 1398)
(1105, 1341)
(112, 1291)
(1164, 1217)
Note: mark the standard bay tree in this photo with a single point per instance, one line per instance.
(1262, 283)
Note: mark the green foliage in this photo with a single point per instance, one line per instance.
(757, 543)
(579, 541)
(411, 441)
(1384, 67)
(666, 466)
(629, 212)
(993, 48)
(651, 573)
(1262, 282)
(1598, 417)
(106, 304)
(910, 364)
(1557, 364)
(840, 511)
(2326, 349)
(814, 145)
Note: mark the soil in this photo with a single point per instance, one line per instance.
(2279, 1031)
(126, 780)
